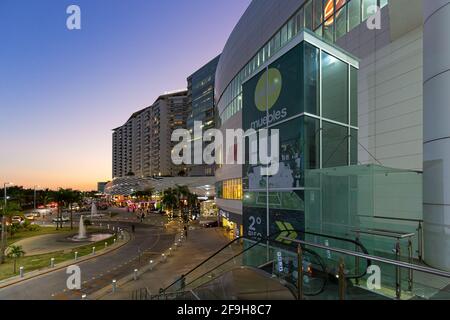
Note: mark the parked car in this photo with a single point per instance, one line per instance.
(210, 224)
(61, 219)
(16, 219)
(29, 216)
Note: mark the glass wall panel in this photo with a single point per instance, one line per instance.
(318, 13)
(311, 79)
(341, 22)
(353, 96)
(354, 14)
(334, 145)
(367, 8)
(334, 88)
(353, 147)
(328, 30)
(292, 155)
(309, 15)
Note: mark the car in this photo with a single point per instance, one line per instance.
(210, 224)
(29, 216)
(60, 219)
(16, 219)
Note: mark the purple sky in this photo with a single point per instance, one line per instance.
(61, 91)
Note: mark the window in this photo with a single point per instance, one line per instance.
(328, 29)
(353, 96)
(368, 8)
(334, 145)
(309, 16)
(334, 89)
(354, 14)
(232, 189)
(311, 79)
(318, 13)
(353, 147)
(284, 35)
(341, 22)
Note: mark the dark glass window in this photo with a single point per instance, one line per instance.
(334, 88)
(334, 145)
(312, 138)
(311, 79)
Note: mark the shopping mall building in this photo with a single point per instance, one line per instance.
(361, 100)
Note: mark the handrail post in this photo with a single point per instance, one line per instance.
(299, 273)
(410, 259)
(420, 241)
(398, 273)
(342, 284)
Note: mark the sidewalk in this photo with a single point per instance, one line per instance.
(200, 245)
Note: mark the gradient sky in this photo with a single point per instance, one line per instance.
(61, 91)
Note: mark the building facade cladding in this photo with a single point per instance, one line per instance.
(142, 146)
(201, 102)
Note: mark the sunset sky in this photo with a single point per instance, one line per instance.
(61, 91)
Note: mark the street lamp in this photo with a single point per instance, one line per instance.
(3, 234)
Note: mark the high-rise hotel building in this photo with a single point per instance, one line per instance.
(142, 146)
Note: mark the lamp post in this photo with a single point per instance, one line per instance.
(3, 234)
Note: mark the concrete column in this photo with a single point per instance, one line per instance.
(436, 126)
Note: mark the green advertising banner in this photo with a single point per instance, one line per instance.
(275, 93)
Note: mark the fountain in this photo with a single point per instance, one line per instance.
(82, 235)
(93, 210)
(81, 230)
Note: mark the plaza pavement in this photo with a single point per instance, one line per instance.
(200, 244)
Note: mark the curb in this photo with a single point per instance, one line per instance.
(37, 273)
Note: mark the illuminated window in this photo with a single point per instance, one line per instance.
(232, 189)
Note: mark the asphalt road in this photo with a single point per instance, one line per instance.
(150, 241)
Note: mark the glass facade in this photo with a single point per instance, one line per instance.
(330, 19)
(201, 99)
(306, 95)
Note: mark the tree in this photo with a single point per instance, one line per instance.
(15, 252)
(63, 197)
(73, 196)
(45, 196)
(169, 199)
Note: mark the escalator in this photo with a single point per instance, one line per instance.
(266, 268)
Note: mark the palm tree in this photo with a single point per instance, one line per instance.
(73, 196)
(15, 252)
(169, 199)
(45, 196)
(63, 198)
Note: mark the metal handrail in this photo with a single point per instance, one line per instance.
(406, 265)
(419, 230)
(271, 237)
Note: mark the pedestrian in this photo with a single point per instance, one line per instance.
(132, 228)
(142, 217)
(185, 231)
